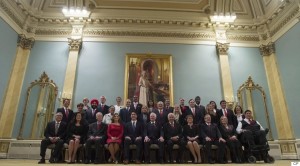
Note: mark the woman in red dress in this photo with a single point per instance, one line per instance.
(114, 137)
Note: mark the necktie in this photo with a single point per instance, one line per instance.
(67, 113)
(133, 125)
(93, 112)
(225, 112)
(102, 106)
(193, 110)
(172, 124)
(56, 128)
(99, 125)
(161, 113)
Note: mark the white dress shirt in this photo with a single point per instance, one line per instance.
(239, 129)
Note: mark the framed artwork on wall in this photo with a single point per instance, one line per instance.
(148, 76)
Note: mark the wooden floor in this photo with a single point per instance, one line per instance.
(19, 162)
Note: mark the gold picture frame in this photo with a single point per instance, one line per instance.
(149, 76)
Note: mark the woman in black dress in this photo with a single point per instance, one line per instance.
(229, 134)
(191, 136)
(76, 134)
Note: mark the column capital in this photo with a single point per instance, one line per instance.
(74, 44)
(222, 48)
(25, 43)
(268, 49)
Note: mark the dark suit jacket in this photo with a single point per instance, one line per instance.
(125, 115)
(199, 115)
(230, 116)
(170, 109)
(138, 108)
(162, 119)
(70, 116)
(153, 131)
(104, 110)
(211, 131)
(141, 118)
(130, 132)
(90, 117)
(94, 131)
(170, 131)
(50, 130)
(227, 133)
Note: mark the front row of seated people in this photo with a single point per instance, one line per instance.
(118, 136)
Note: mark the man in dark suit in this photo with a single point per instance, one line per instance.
(67, 113)
(212, 136)
(102, 107)
(198, 114)
(91, 112)
(173, 135)
(125, 113)
(168, 106)
(136, 106)
(54, 134)
(161, 114)
(232, 120)
(153, 134)
(198, 104)
(133, 132)
(144, 117)
(96, 136)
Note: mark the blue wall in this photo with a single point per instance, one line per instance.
(288, 58)
(8, 46)
(51, 57)
(101, 70)
(245, 62)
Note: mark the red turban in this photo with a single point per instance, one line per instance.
(95, 100)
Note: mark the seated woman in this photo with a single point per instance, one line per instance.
(229, 134)
(191, 135)
(76, 135)
(114, 137)
(107, 118)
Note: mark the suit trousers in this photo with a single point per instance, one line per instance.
(138, 144)
(147, 149)
(57, 150)
(99, 148)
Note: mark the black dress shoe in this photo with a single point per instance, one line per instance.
(51, 160)
(97, 162)
(86, 161)
(42, 161)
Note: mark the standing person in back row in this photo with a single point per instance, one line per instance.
(228, 113)
(67, 113)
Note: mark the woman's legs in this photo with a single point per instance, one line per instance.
(116, 149)
(70, 149)
(76, 145)
(111, 150)
(197, 150)
(192, 150)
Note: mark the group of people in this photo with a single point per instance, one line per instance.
(95, 125)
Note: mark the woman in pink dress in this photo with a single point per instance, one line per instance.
(114, 137)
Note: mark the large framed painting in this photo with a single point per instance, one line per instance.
(149, 76)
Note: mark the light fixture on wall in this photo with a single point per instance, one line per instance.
(223, 18)
(76, 12)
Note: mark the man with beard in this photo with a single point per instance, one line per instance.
(91, 113)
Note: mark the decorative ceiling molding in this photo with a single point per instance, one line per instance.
(43, 19)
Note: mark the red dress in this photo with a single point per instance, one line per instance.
(114, 130)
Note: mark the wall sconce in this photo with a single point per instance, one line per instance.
(221, 18)
(75, 12)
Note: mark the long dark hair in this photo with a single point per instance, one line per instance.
(73, 121)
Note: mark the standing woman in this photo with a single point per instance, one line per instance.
(178, 114)
(191, 135)
(108, 117)
(114, 137)
(214, 105)
(239, 113)
(214, 117)
(151, 106)
(76, 132)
